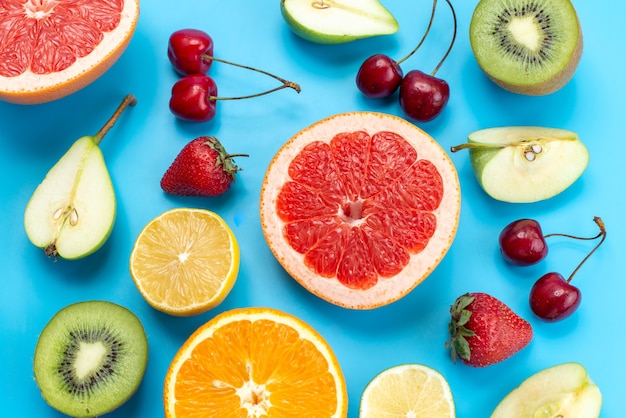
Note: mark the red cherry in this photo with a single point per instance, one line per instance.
(190, 51)
(552, 298)
(379, 76)
(522, 243)
(194, 98)
(422, 96)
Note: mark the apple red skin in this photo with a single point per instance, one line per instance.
(422, 96)
(522, 243)
(193, 98)
(187, 50)
(553, 299)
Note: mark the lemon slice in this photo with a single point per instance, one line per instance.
(407, 390)
(185, 261)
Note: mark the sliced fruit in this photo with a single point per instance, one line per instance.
(50, 49)
(72, 211)
(90, 358)
(408, 390)
(337, 21)
(525, 164)
(255, 362)
(360, 208)
(185, 261)
(529, 47)
(564, 390)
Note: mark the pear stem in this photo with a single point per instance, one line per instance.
(129, 100)
(430, 23)
(602, 234)
(473, 145)
(286, 83)
(451, 42)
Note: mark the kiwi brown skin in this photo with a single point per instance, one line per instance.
(549, 85)
(90, 358)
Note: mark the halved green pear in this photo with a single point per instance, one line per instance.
(564, 390)
(72, 211)
(338, 21)
(524, 164)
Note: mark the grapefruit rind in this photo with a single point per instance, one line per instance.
(30, 88)
(252, 314)
(421, 264)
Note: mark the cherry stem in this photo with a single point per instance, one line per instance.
(286, 83)
(430, 23)
(602, 234)
(451, 42)
(129, 100)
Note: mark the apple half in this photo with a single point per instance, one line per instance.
(337, 21)
(525, 164)
(564, 390)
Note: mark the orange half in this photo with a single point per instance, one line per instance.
(255, 362)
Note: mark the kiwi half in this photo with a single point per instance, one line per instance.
(90, 358)
(530, 47)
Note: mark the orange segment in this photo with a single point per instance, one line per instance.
(255, 362)
(185, 261)
(360, 208)
(53, 48)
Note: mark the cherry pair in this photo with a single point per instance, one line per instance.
(422, 96)
(194, 96)
(552, 297)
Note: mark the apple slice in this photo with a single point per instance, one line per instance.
(72, 211)
(524, 164)
(337, 21)
(564, 390)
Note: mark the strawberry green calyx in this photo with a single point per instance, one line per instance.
(223, 159)
(459, 316)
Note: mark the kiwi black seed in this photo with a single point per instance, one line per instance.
(529, 47)
(90, 358)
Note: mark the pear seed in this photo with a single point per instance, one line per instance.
(320, 5)
(73, 217)
(57, 215)
(530, 156)
(537, 148)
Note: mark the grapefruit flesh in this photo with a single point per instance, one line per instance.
(360, 207)
(51, 48)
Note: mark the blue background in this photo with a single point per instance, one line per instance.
(147, 138)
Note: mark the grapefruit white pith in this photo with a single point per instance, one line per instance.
(360, 207)
(50, 48)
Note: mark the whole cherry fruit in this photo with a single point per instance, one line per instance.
(194, 98)
(552, 298)
(522, 242)
(379, 76)
(422, 96)
(190, 51)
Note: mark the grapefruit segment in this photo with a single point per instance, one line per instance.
(360, 207)
(52, 48)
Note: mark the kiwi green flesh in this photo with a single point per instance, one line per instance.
(90, 358)
(527, 46)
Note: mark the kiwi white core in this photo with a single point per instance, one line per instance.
(89, 358)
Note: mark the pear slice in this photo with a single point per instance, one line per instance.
(525, 164)
(564, 390)
(338, 21)
(72, 211)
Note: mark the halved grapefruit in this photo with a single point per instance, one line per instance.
(360, 207)
(52, 48)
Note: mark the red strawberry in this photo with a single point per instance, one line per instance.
(202, 168)
(483, 330)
